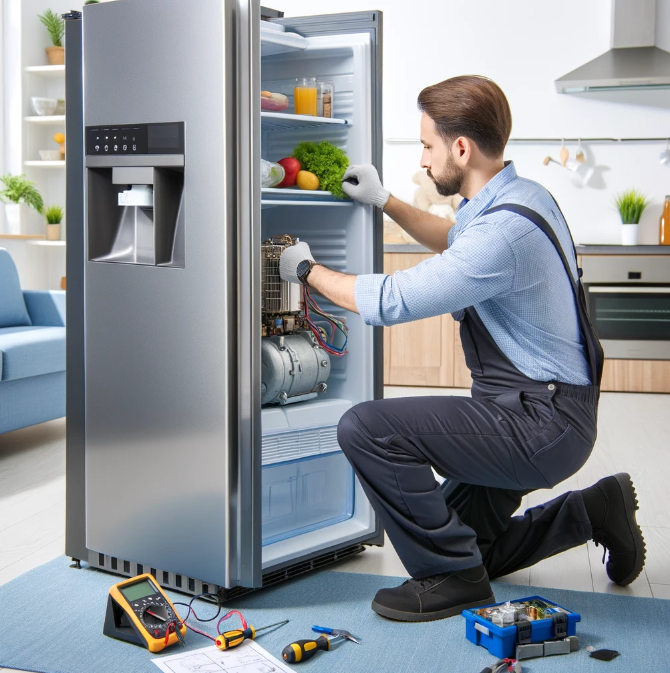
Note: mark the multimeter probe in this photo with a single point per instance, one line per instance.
(228, 639)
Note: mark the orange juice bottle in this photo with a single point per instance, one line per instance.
(304, 96)
(664, 229)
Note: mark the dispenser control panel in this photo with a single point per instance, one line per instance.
(135, 139)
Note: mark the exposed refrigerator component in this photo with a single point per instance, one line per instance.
(168, 387)
(280, 301)
(294, 368)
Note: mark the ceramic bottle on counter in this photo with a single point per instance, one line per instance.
(664, 224)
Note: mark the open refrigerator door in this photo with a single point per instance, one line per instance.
(312, 502)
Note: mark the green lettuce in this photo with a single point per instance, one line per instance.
(326, 161)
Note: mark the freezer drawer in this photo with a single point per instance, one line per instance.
(303, 495)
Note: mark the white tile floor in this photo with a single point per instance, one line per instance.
(633, 431)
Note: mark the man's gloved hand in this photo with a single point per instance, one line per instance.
(367, 187)
(290, 258)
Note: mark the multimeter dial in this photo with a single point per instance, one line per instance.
(155, 616)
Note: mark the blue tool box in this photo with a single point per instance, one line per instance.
(501, 641)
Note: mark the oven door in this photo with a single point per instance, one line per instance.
(631, 321)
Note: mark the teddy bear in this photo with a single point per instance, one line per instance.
(427, 198)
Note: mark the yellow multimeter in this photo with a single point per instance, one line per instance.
(139, 612)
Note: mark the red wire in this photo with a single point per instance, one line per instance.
(227, 616)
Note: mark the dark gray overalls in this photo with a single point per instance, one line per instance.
(513, 436)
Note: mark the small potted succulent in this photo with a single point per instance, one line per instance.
(55, 26)
(18, 194)
(54, 217)
(630, 205)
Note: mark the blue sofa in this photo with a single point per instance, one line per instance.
(32, 352)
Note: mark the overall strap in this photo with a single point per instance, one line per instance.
(595, 351)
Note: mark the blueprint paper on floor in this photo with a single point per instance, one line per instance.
(249, 657)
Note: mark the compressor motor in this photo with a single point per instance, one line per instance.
(295, 353)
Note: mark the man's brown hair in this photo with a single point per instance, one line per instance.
(472, 106)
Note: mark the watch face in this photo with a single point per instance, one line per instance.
(303, 269)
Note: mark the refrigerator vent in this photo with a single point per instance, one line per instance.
(166, 579)
(293, 444)
(195, 587)
(275, 576)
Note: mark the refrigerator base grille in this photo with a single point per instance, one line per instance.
(192, 586)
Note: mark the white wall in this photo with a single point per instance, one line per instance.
(524, 45)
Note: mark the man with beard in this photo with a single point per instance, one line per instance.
(507, 270)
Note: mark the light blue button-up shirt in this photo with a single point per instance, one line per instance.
(508, 270)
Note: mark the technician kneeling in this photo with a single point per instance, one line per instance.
(507, 271)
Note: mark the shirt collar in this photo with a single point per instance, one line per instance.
(471, 209)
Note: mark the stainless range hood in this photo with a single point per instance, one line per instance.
(633, 62)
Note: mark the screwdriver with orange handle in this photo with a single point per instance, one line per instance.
(230, 639)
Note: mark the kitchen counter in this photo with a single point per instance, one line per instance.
(623, 249)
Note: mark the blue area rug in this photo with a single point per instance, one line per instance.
(51, 621)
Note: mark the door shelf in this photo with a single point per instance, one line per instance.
(274, 42)
(281, 121)
(300, 197)
(49, 71)
(46, 119)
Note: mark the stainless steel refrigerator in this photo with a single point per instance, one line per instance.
(178, 463)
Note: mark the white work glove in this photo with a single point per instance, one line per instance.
(369, 189)
(290, 258)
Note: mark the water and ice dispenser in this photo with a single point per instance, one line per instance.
(135, 188)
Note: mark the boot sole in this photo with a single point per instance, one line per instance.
(401, 616)
(631, 505)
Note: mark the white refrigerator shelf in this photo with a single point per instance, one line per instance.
(281, 121)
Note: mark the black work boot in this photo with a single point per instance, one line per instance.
(435, 597)
(611, 504)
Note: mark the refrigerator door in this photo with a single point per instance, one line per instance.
(171, 358)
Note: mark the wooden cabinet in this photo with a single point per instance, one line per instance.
(429, 352)
(425, 352)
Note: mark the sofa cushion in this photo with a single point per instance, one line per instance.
(31, 351)
(13, 311)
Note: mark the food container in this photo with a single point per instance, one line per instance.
(50, 155)
(304, 96)
(325, 99)
(44, 106)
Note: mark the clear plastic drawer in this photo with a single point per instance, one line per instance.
(305, 494)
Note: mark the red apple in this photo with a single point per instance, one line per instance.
(291, 167)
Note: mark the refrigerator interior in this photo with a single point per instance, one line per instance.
(311, 499)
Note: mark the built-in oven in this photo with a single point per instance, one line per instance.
(628, 298)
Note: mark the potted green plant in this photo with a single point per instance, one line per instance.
(56, 28)
(54, 217)
(630, 205)
(18, 194)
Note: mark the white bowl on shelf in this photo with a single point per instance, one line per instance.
(44, 106)
(50, 155)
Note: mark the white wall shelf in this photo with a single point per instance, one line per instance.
(49, 71)
(45, 164)
(46, 119)
(282, 121)
(22, 237)
(50, 244)
(274, 42)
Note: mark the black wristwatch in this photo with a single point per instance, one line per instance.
(303, 269)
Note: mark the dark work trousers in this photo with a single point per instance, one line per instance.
(514, 435)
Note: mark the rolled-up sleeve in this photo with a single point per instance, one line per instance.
(478, 266)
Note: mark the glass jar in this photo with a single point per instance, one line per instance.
(325, 99)
(304, 96)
